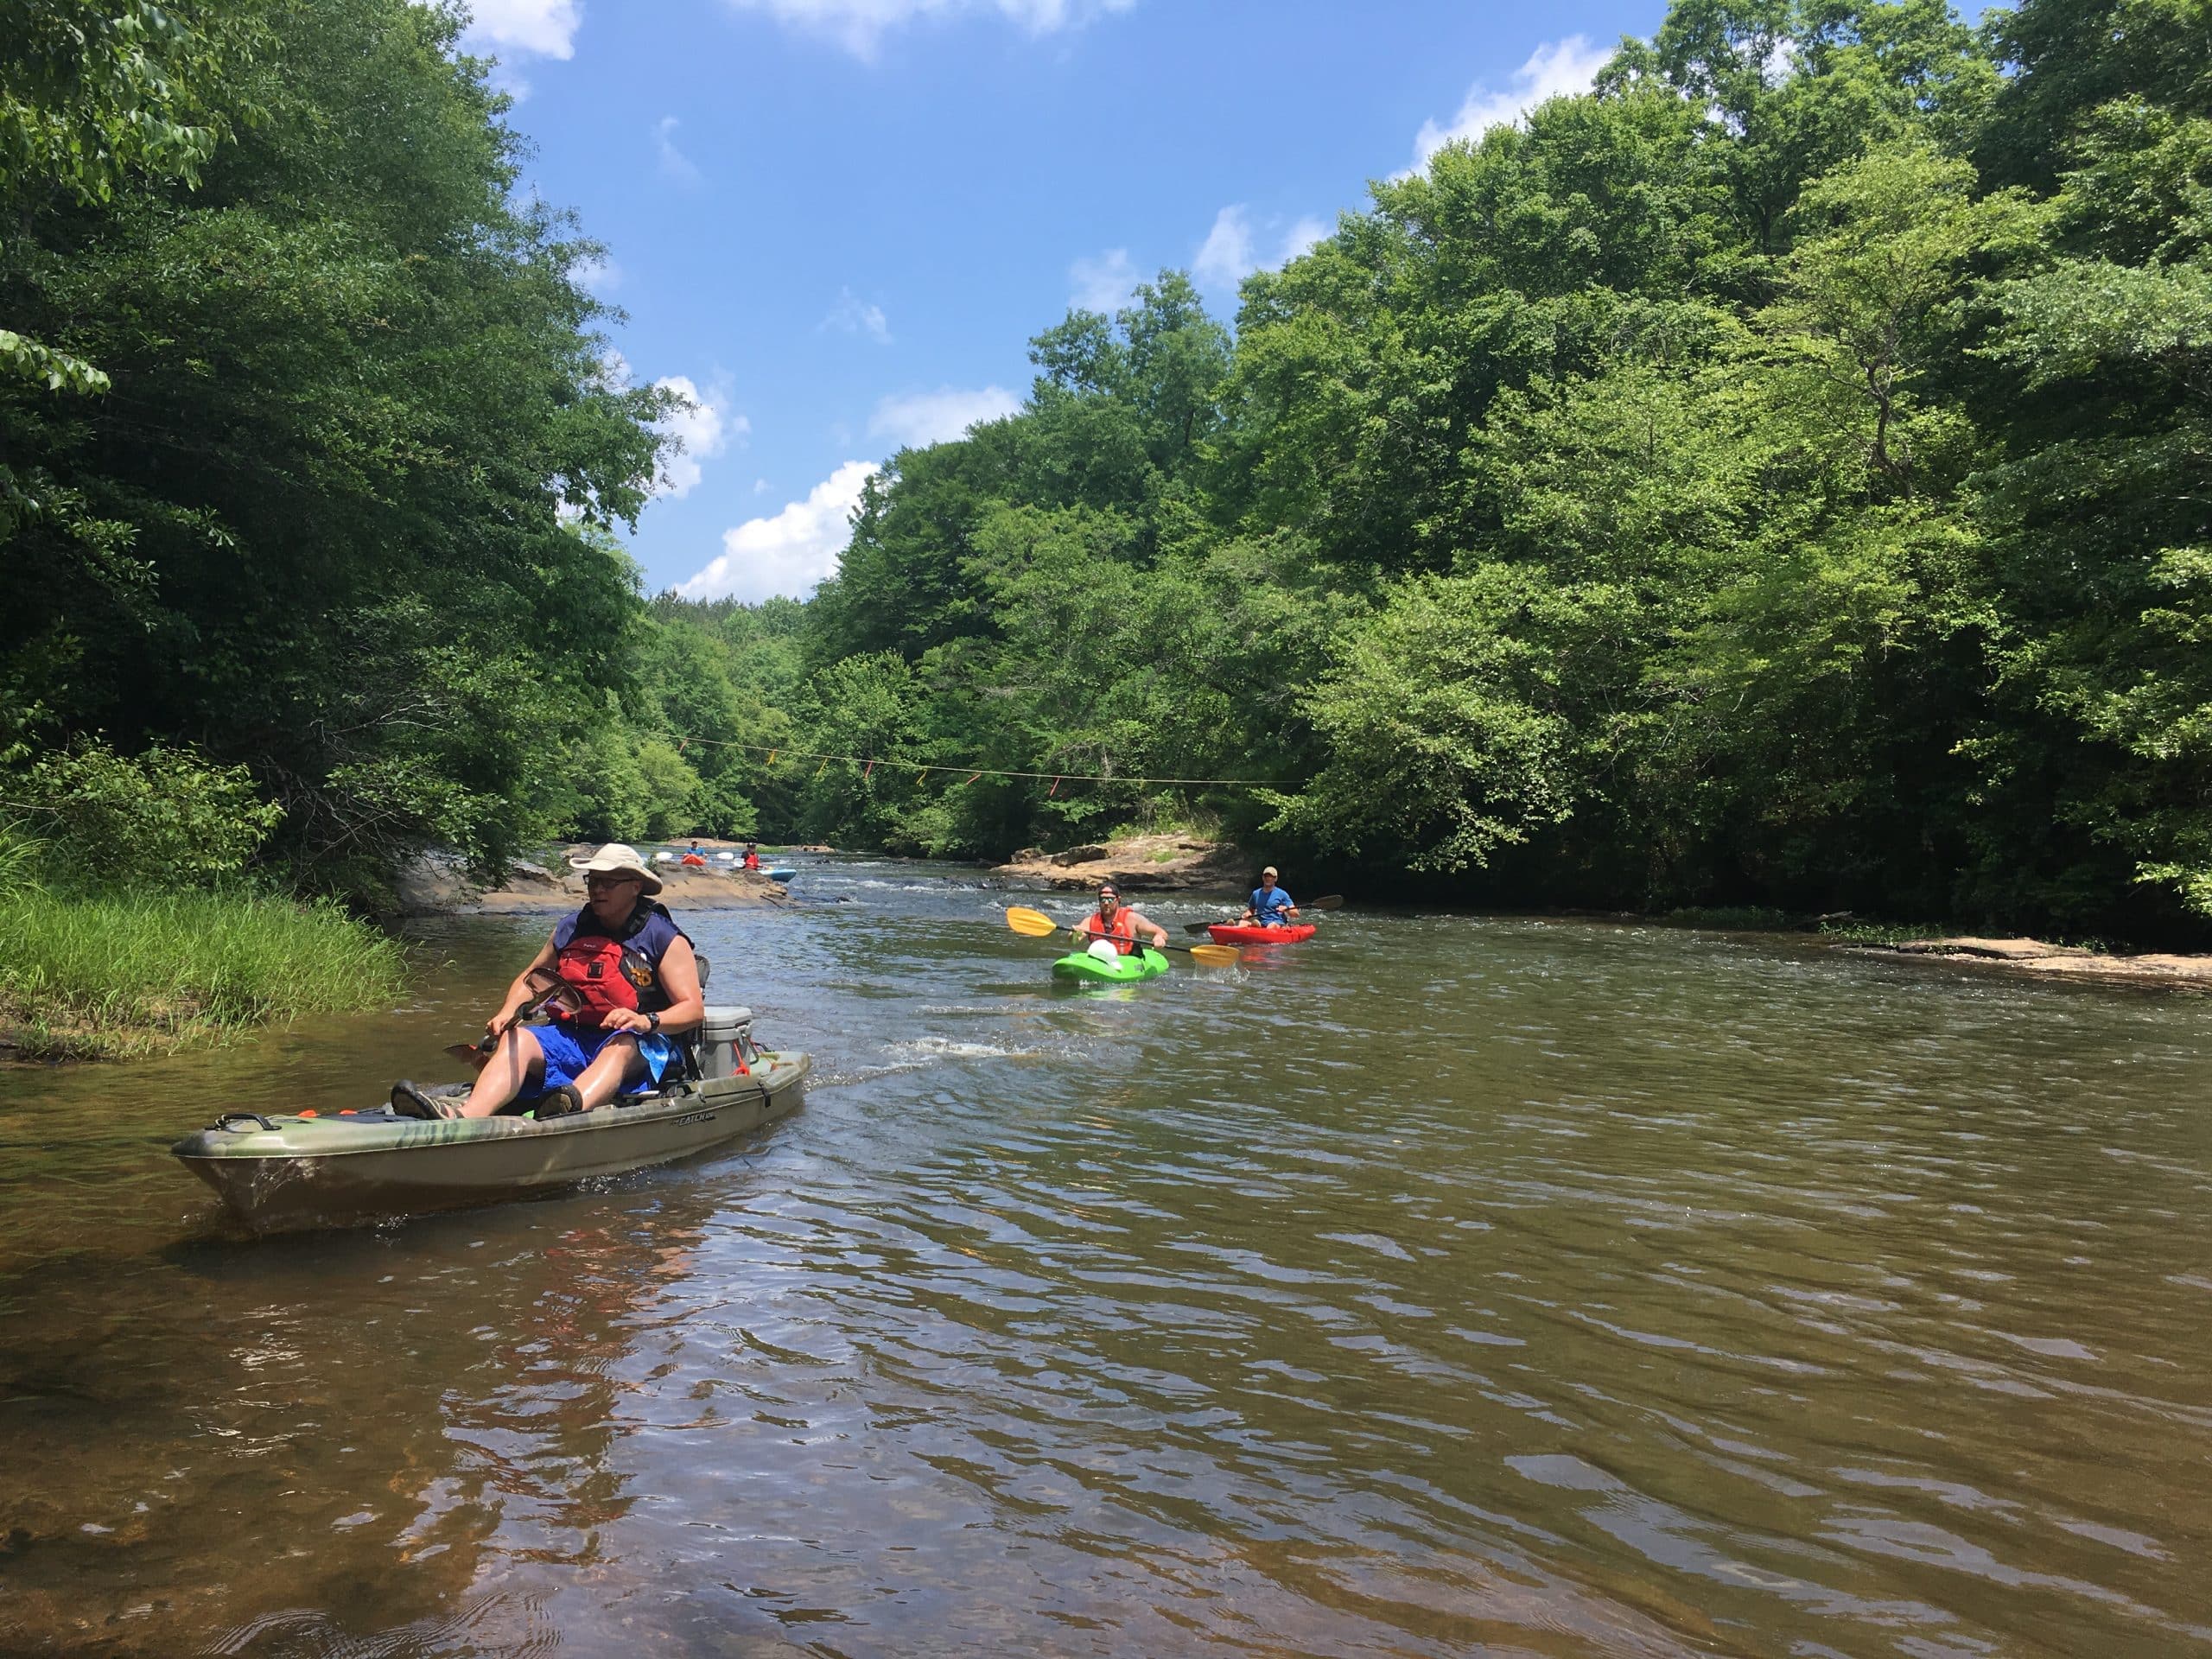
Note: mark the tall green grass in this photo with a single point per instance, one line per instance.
(101, 976)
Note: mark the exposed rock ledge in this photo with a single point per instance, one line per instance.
(1141, 864)
(2036, 956)
(437, 884)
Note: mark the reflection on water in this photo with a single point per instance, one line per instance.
(1446, 1284)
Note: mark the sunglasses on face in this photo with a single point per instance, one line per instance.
(599, 883)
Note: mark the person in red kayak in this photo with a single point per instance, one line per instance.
(694, 859)
(1271, 907)
(1111, 920)
(632, 983)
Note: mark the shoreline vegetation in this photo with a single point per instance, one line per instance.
(114, 976)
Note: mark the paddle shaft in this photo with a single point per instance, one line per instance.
(482, 1049)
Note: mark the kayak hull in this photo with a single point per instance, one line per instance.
(781, 873)
(279, 1172)
(1245, 933)
(1082, 968)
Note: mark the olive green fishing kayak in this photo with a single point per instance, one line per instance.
(280, 1169)
(1081, 965)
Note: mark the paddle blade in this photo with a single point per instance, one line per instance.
(1215, 956)
(469, 1051)
(1030, 924)
(1199, 927)
(1333, 901)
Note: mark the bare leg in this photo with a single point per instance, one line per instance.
(515, 1063)
(617, 1064)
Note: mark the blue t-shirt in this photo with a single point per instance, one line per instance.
(1271, 907)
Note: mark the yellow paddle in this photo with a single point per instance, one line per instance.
(1036, 924)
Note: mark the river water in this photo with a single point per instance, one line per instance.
(1449, 1285)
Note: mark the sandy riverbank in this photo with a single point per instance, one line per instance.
(2036, 956)
(1141, 864)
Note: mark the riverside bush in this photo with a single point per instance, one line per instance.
(103, 976)
(162, 818)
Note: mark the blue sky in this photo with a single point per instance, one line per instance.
(838, 223)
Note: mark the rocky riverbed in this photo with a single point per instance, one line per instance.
(2036, 955)
(1141, 864)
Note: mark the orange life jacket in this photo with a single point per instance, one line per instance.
(608, 973)
(1122, 930)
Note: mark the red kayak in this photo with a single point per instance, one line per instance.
(1241, 933)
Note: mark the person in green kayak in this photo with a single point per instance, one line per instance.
(629, 983)
(1113, 921)
(1271, 907)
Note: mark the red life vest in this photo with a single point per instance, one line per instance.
(608, 973)
(1123, 931)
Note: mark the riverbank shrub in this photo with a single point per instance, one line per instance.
(106, 975)
(164, 818)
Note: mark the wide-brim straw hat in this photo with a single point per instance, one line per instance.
(616, 858)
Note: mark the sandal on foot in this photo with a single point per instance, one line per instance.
(409, 1101)
(559, 1102)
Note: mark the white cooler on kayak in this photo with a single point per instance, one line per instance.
(725, 1037)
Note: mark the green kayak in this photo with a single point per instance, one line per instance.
(1082, 965)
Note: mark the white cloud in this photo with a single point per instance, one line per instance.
(1300, 237)
(600, 276)
(927, 417)
(858, 25)
(1557, 66)
(545, 28)
(1103, 282)
(854, 316)
(673, 161)
(702, 427)
(1230, 251)
(613, 371)
(1225, 257)
(789, 551)
(760, 487)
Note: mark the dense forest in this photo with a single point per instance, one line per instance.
(1778, 476)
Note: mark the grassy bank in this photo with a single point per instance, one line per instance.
(101, 976)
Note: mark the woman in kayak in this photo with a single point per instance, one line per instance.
(1271, 907)
(752, 855)
(1111, 921)
(633, 981)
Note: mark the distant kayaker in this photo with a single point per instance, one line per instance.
(1112, 921)
(1271, 907)
(695, 858)
(752, 855)
(631, 972)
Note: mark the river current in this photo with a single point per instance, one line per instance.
(1449, 1285)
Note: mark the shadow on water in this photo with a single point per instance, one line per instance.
(1454, 1284)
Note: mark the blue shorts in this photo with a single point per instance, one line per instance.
(570, 1049)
